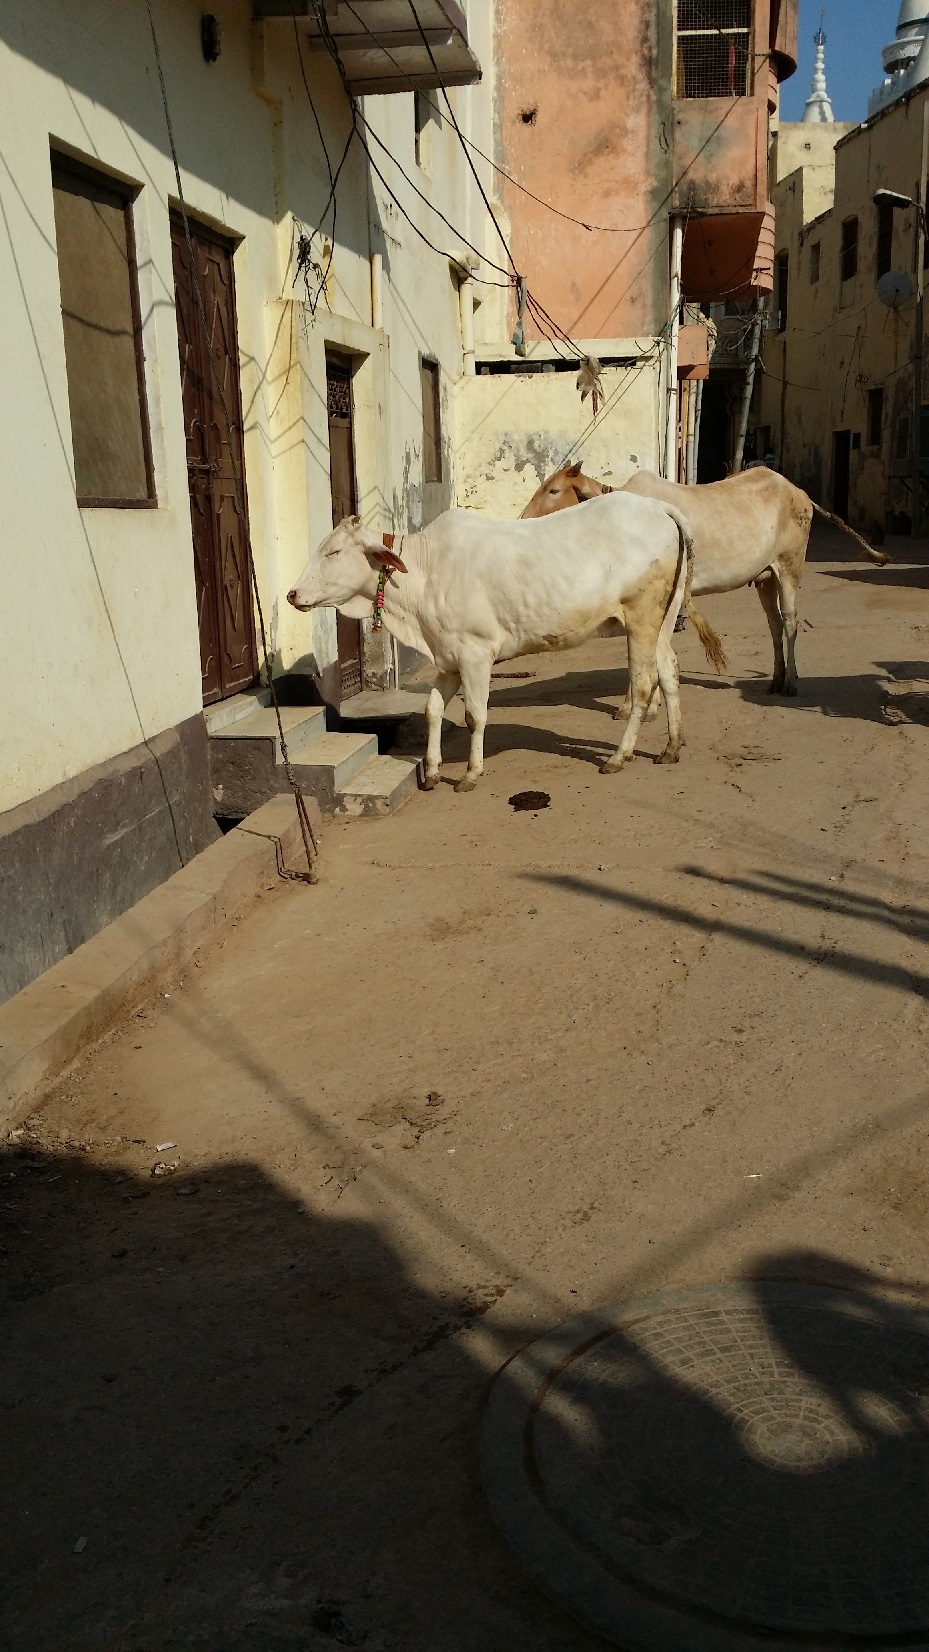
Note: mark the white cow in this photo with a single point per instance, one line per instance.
(467, 592)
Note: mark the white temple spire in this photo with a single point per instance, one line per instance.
(818, 106)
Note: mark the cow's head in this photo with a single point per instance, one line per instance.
(343, 573)
(568, 486)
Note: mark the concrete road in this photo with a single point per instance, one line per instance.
(496, 1068)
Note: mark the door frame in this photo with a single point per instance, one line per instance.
(350, 650)
(227, 243)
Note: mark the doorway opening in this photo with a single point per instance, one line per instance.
(222, 566)
(344, 503)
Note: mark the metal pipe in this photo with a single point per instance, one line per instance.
(749, 384)
(697, 418)
(377, 291)
(676, 227)
(466, 312)
(690, 468)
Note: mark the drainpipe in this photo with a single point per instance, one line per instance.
(698, 414)
(690, 463)
(377, 291)
(676, 227)
(466, 311)
(757, 325)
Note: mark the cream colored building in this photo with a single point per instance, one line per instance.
(125, 602)
(836, 399)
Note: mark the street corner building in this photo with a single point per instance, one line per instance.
(410, 258)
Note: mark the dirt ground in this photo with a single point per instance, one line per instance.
(496, 1068)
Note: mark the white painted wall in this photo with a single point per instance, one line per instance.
(97, 608)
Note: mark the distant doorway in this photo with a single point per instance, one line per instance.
(841, 471)
(344, 503)
(715, 451)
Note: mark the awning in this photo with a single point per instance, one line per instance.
(380, 44)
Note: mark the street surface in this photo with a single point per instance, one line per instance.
(495, 1069)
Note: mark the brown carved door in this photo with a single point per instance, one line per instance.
(222, 570)
(344, 503)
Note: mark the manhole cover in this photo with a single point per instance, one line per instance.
(706, 1468)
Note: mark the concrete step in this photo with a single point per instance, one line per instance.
(327, 766)
(234, 709)
(388, 705)
(300, 724)
(380, 788)
(246, 762)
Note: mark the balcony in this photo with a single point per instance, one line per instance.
(379, 48)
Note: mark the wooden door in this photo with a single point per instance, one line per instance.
(222, 570)
(344, 503)
(841, 472)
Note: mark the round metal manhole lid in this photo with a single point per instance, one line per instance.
(720, 1467)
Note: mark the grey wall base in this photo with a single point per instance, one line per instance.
(77, 857)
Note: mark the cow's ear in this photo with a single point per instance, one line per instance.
(387, 558)
(573, 470)
(353, 521)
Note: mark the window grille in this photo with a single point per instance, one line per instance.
(714, 49)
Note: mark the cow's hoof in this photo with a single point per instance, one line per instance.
(467, 783)
(669, 756)
(620, 711)
(612, 766)
(430, 781)
(776, 687)
(791, 689)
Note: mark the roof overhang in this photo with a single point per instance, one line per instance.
(380, 43)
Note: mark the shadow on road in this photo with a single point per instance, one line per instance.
(757, 1458)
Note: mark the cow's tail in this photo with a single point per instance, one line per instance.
(880, 557)
(710, 640)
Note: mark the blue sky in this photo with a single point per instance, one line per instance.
(856, 30)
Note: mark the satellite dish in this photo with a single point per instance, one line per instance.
(894, 288)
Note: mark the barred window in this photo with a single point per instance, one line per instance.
(714, 49)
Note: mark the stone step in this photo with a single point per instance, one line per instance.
(300, 724)
(330, 763)
(234, 709)
(380, 788)
(387, 705)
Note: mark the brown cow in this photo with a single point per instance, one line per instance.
(750, 529)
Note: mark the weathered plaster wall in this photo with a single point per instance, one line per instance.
(578, 114)
(515, 429)
(841, 342)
